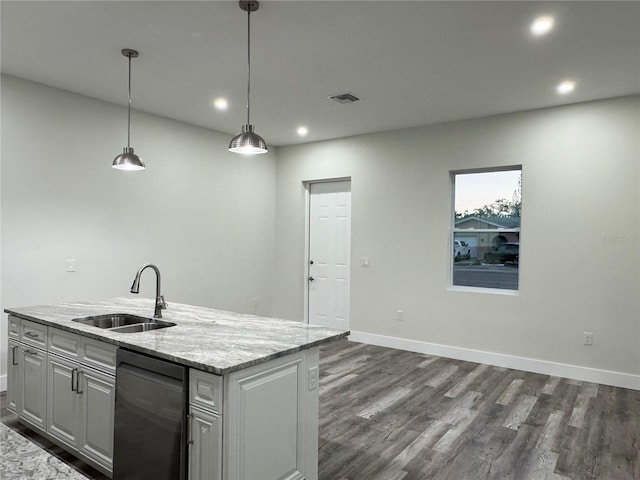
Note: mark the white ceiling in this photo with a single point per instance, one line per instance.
(411, 62)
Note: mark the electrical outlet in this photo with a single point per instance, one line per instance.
(71, 264)
(400, 315)
(588, 338)
(255, 302)
(313, 378)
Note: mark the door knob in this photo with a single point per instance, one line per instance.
(311, 279)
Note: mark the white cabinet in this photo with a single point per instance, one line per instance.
(27, 371)
(13, 370)
(62, 401)
(14, 327)
(30, 400)
(80, 399)
(205, 426)
(271, 413)
(32, 396)
(256, 423)
(205, 445)
(97, 392)
(63, 385)
(80, 409)
(13, 376)
(33, 334)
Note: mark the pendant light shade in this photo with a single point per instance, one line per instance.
(248, 142)
(128, 160)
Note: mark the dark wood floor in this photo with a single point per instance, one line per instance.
(389, 415)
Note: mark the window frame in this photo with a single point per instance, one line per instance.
(453, 230)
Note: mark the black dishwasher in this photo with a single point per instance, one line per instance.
(150, 418)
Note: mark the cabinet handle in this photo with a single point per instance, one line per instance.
(78, 391)
(190, 429)
(73, 379)
(31, 352)
(31, 335)
(13, 355)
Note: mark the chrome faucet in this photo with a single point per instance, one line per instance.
(135, 288)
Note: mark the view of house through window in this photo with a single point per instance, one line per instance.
(486, 228)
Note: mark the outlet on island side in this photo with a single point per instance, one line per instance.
(400, 315)
(314, 378)
(588, 338)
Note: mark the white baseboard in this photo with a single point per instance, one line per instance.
(3, 383)
(605, 377)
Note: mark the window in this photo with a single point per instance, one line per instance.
(485, 233)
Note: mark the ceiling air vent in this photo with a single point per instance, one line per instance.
(344, 98)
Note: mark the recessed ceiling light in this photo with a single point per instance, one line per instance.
(220, 103)
(302, 131)
(566, 87)
(542, 25)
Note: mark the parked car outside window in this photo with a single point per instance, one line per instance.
(461, 250)
(504, 253)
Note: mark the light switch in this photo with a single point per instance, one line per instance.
(71, 264)
(365, 262)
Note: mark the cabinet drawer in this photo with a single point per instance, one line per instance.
(33, 333)
(99, 354)
(64, 343)
(205, 390)
(14, 327)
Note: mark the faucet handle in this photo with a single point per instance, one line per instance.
(163, 304)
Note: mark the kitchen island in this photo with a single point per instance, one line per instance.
(253, 384)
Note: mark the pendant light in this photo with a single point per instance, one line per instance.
(128, 160)
(248, 142)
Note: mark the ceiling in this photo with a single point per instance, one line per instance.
(411, 63)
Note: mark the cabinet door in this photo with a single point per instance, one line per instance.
(32, 404)
(264, 416)
(97, 409)
(205, 445)
(62, 400)
(13, 372)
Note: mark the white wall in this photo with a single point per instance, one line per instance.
(209, 219)
(580, 243)
(202, 214)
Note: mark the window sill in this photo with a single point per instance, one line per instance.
(495, 291)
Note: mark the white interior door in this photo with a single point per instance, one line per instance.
(329, 253)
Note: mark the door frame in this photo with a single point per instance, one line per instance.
(307, 237)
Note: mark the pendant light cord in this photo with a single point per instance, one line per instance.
(248, 63)
(129, 117)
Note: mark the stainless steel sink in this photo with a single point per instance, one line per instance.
(142, 327)
(124, 322)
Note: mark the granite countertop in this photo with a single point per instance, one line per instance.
(22, 459)
(216, 341)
